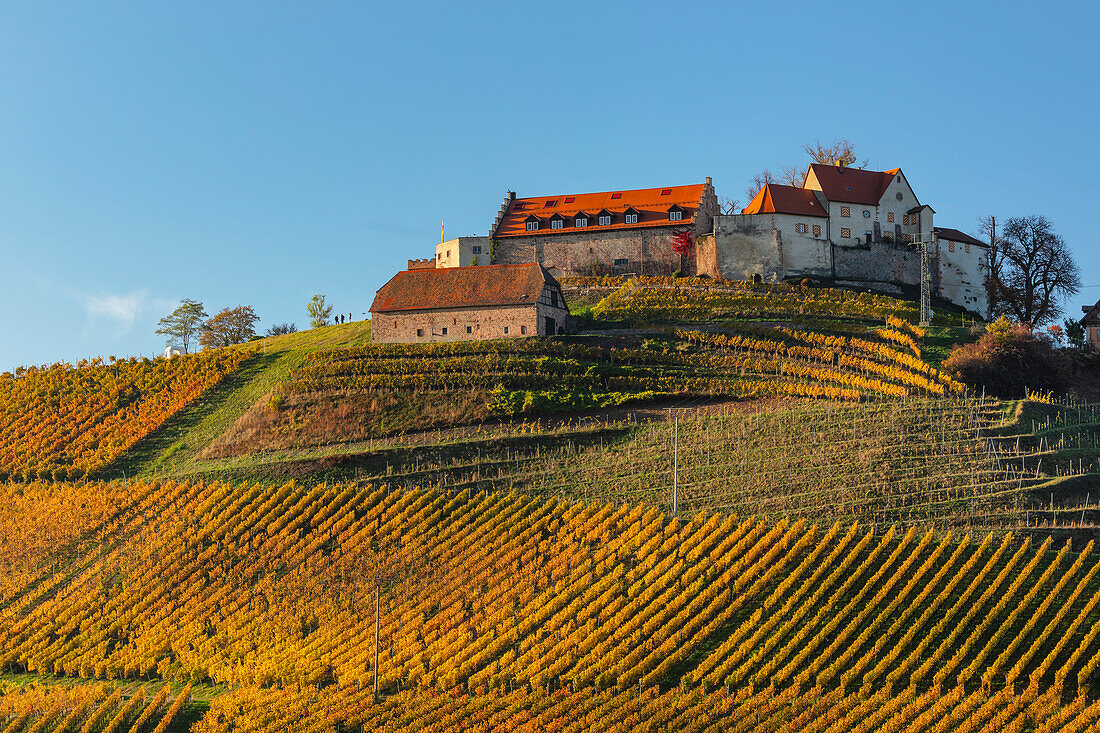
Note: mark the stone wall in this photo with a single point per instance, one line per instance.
(766, 246)
(465, 324)
(647, 251)
(877, 263)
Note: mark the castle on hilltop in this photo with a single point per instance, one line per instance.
(843, 226)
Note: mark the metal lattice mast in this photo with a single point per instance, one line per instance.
(923, 245)
(925, 287)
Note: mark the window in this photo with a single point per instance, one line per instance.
(469, 329)
(817, 230)
(675, 215)
(448, 254)
(444, 330)
(950, 246)
(866, 214)
(800, 228)
(898, 195)
(905, 220)
(477, 250)
(582, 221)
(532, 226)
(631, 218)
(605, 221)
(523, 330)
(551, 202)
(666, 191)
(845, 210)
(968, 247)
(570, 199)
(907, 238)
(616, 195)
(505, 330)
(890, 217)
(845, 233)
(623, 262)
(420, 333)
(557, 224)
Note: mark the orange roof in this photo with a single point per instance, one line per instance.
(463, 287)
(777, 199)
(652, 205)
(852, 185)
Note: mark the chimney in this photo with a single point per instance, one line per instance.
(511, 195)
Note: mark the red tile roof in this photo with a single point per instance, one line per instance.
(463, 287)
(852, 185)
(955, 235)
(778, 199)
(652, 205)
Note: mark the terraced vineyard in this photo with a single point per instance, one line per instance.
(63, 422)
(656, 299)
(495, 597)
(372, 391)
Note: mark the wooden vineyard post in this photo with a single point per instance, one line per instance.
(376, 609)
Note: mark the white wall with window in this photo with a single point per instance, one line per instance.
(463, 252)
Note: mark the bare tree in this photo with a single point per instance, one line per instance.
(1035, 271)
(731, 206)
(757, 182)
(838, 152)
(792, 176)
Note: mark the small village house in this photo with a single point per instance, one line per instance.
(426, 305)
(1091, 322)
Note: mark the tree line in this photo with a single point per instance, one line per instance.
(189, 322)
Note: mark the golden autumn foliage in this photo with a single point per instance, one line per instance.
(64, 422)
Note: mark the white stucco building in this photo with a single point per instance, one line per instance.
(851, 226)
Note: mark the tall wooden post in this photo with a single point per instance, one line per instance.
(376, 614)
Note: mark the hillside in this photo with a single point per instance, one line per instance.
(493, 598)
(718, 506)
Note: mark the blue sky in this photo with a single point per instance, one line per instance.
(257, 153)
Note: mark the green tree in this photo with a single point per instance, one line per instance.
(318, 312)
(1075, 333)
(182, 324)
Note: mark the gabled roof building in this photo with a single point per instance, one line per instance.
(625, 231)
(849, 226)
(468, 303)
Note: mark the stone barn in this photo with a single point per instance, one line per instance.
(468, 304)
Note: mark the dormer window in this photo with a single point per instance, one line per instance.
(631, 216)
(604, 218)
(557, 221)
(532, 223)
(580, 220)
(675, 213)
